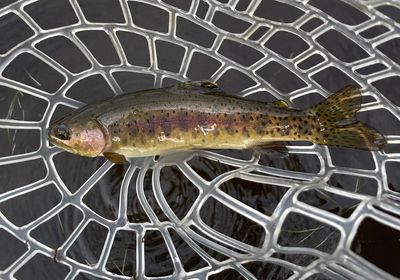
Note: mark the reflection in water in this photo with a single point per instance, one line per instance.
(158, 260)
(74, 170)
(339, 205)
(368, 243)
(87, 248)
(122, 258)
(103, 197)
(180, 194)
(231, 223)
(308, 163)
(302, 231)
(260, 269)
(262, 197)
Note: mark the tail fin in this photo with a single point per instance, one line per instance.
(337, 114)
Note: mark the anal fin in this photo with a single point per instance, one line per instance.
(272, 149)
(114, 157)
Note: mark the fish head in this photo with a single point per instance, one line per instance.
(85, 138)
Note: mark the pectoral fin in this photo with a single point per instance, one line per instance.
(114, 157)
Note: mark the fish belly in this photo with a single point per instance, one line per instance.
(164, 131)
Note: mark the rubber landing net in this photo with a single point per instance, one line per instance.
(203, 215)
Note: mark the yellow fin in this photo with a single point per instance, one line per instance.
(204, 86)
(280, 104)
(114, 157)
(338, 124)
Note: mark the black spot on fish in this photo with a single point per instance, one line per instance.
(230, 130)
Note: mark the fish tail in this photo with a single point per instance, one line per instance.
(338, 123)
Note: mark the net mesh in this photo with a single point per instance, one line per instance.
(301, 232)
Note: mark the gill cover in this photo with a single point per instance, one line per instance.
(82, 138)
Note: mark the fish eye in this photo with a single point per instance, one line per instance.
(62, 132)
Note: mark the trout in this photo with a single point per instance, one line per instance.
(198, 115)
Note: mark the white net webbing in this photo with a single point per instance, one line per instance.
(195, 215)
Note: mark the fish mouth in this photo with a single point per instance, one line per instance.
(55, 141)
(50, 137)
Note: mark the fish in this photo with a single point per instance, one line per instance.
(198, 115)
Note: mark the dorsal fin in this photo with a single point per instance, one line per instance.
(281, 104)
(202, 87)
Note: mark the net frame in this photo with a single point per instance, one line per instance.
(342, 264)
